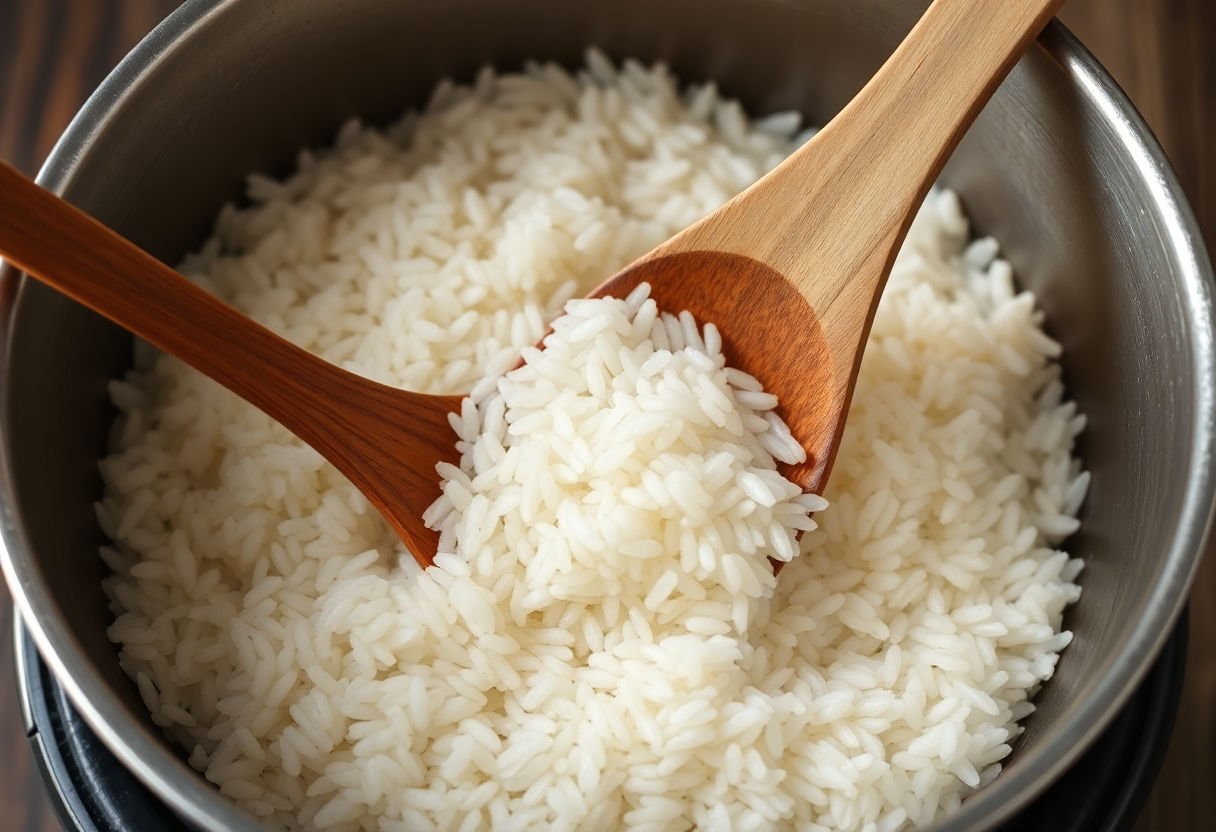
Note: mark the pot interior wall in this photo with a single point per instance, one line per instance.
(257, 80)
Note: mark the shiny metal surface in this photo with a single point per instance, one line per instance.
(1059, 167)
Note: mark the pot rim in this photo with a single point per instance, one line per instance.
(168, 775)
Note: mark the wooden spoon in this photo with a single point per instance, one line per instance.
(791, 270)
(386, 441)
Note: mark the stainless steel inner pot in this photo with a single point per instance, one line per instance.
(1059, 167)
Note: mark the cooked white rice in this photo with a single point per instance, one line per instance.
(605, 648)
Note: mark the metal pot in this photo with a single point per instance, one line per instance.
(1059, 167)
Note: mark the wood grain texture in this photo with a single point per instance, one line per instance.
(1163, 52)
(53, 53)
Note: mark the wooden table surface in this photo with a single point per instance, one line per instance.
(1163, 52)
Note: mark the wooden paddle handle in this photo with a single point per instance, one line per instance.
(73, 253)
(385, 440)
(832, 216)
(892, 140)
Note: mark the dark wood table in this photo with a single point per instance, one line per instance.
(1163, 52)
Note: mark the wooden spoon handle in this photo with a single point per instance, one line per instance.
(890, 143)
(832, 216)
(70, 251)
